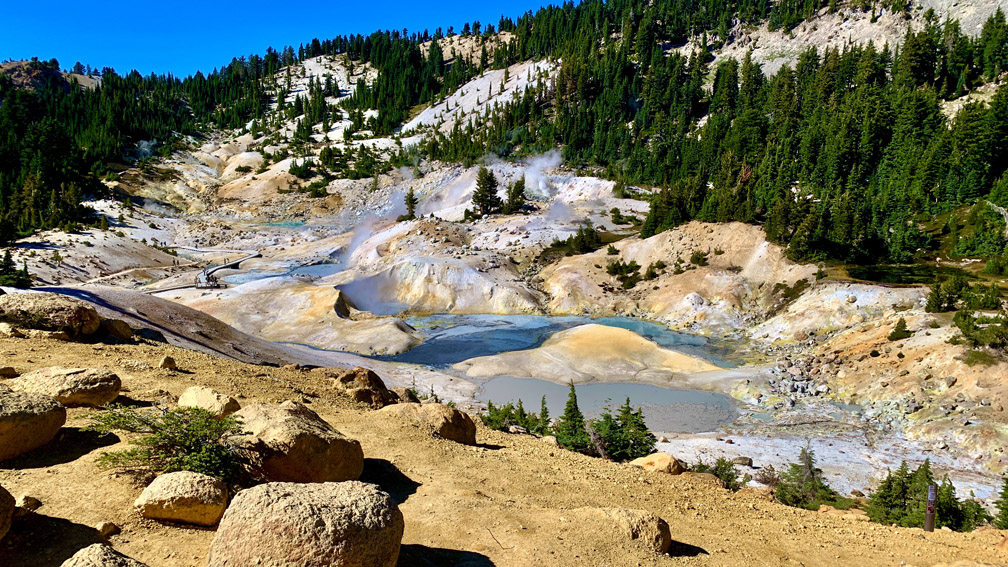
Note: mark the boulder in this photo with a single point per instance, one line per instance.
(295, 445)
(446, 422)
(49, 312)
(184, 496)
(27, 421)
(117, 328)
(6, 511)
(405, 395)
(8, 372)
(168, 363)
(345, 524)
(742, 461)
(71, 386)
(660, 462)
(211, 400)
(638, 525)
(101, 555)
(364, 386)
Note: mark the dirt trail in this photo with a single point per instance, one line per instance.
(511, 501)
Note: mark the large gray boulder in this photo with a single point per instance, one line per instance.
(27, 421)
(295, 445)
(209, 399)
(101, 555)
(71, 386)
(49, 312)
(183, 496)
(6, 511)
(344, 524)
(445, 422)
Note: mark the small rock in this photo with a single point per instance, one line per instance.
(550, 440)
(660, 462)
(517, 430)
(406, 395)
(663, 439)
(641, 525)
(184, 496)
(108, 529)
(168, 363)
(950, 381)
(743, 461)
(209, 399)
(25, 505)
(101, 555)
(364, 386)
(8, 372)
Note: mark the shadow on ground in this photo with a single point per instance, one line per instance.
(414, 555)
(70, 444)
(680, 549)
(389, 478)
(37, 540)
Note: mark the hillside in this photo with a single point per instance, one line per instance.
(511, 500)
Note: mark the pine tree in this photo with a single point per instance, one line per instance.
(544, 420)
(485, 198)
(570, 428)
(1001, 519)
(411, 203)
(515, 197)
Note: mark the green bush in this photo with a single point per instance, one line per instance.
(802, 486)
(182, 439)
(725, 471)
(624, 436)
(901, 499)
(698, 258)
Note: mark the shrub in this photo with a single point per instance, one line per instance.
(725, 471)
(612, 251)
(698, 258)
(900, 332)
(802, 486)
(624, 436)
(182, 439)
(768, 476)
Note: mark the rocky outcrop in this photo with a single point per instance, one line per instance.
(364, 386)
(636, 525)
(295, 445)
(445, 422)
(587, 353)
(6, 511)
(49, 312)
(71, 386)
(101, 555)
(346, 524)
(27, 421)
(218, 404)
(660, 462)
(184, 496)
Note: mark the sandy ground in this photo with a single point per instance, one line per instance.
(512, 500)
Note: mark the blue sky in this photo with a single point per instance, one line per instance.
(184, 36)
